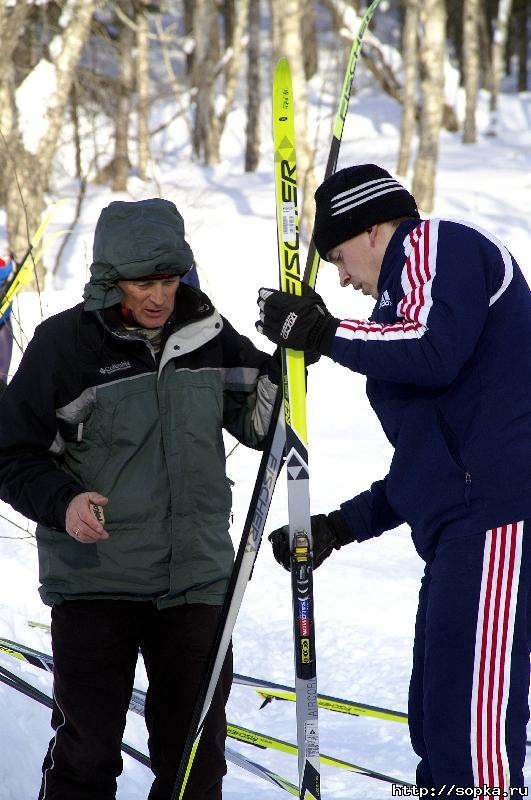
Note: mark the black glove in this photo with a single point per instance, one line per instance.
(328, 531)
(301, 323)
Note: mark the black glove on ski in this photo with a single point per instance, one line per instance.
(301, 323)
(328, 530)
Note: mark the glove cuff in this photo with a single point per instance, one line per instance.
(322, 335)
(274, 367)
(340, 530)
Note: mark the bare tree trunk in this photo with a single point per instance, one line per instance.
(309, 38)
(252, 148)
(432, 53)
(233, 66)
(206, 134)
(75, 124)
(189, 7)
(292, 45)
(485, 46)
(275, 11)
(78, 14)
(499, 43)
(523, 46)
(12, 20)
(8, 131)
(142, 87)
(470, 68)
(121, 162)
(409, 93)
(27, 173)
(229, 22)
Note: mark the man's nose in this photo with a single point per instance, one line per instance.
(157, 293)
(344, 277)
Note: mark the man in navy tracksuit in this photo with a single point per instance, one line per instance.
(447, 354)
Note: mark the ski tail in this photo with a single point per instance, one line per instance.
(263, 740)
(276, 691)
(23, 653)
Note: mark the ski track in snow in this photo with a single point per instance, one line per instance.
(365, 596)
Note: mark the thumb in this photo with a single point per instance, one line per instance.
(98, 499)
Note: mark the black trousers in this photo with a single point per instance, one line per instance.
(95, 648)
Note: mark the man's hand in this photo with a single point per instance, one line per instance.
(301, 323)
(81, 521)
(325, 530)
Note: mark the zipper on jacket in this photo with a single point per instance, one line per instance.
(452, 443)
(468, 487)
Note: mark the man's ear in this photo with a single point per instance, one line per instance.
(373, 233)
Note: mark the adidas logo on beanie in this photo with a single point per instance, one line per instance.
(350, 201)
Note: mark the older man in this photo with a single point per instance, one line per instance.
(118, 407)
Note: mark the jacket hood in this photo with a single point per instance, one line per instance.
(131, 241)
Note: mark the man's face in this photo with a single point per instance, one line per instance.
(359, 262)
(151, 301)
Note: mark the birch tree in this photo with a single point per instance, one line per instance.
(431, 59)
(499, 43)
(380, 58)
(126, 40)
(233, 60)
(252, 146)
(142, 86)
(28, 161)
(309, 38)
(206, 133)
(470, 67)
(275, 13)
(12, 24)
(523, 44)
(409, 92)
(485, 45)
(208, 123)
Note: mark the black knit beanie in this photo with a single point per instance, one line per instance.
(350, 201)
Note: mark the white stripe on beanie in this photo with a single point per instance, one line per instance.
(363, 188)
(397, 188)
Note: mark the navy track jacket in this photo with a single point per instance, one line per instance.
(447, 354)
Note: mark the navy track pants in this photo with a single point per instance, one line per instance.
(468, 699)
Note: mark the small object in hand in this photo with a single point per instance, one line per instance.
(98, 512)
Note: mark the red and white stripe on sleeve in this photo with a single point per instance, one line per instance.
(420, 249)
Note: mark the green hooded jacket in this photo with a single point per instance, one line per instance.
(94, 408)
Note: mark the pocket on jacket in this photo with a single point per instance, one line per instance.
(452, 443)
